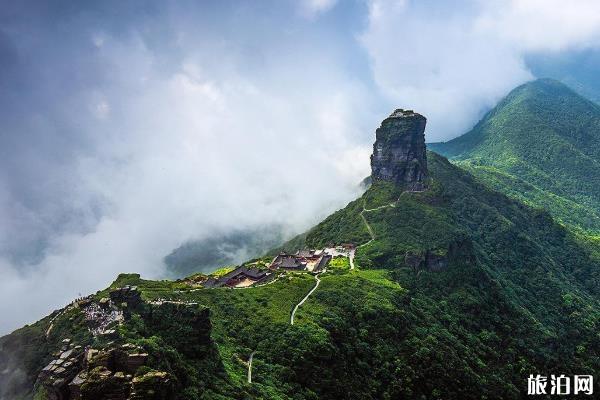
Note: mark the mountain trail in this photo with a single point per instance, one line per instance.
(369, 229)
(250, 366)
(304, 299)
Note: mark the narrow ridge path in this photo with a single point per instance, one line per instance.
(304, 299)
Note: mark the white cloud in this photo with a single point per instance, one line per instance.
(101, 109)
(453, 62)
(98, 39)
(313, 8)
(542, 25)
(190, 152)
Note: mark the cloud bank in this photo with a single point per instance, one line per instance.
(139, 140)
(452, 61)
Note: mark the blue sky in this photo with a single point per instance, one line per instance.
(127, 128)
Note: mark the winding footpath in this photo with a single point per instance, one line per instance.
(369, 229)
(67, 308)
(362, 215)
(250, 366)
(52, 324)
(304, 299)
(291, 323)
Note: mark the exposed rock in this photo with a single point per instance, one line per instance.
(134, 361)
(413, 259)
(399, 152)
(130, 295)
(84, 301)
(101, 383)
(56, 376)
(75, 385)
(124, 359)
(66, 354)
(104, 302)
(154, 385)
(107, 373)
(459, 251)
(124, 371)
(429, 259)
(435, 261)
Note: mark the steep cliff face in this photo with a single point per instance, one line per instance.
(399, 152)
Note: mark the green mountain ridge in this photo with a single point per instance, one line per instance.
(456, 291)
(540, 145)
(518, 295)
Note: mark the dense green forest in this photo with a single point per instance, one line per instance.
(541, 145)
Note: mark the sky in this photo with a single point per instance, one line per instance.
(128, 128)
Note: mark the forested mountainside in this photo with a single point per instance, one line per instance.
(541, 145)
(453, 291)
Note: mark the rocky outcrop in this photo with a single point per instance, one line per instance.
(429, 259)
(153, 385)
(56, 376)
(108, 373)
(459, 251)
(109, 367)
(399, 153)
(113, 373)
(126, 296)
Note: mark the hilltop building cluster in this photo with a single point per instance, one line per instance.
(239, 278)
(310, 260)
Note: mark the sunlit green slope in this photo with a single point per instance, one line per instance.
(541, 145)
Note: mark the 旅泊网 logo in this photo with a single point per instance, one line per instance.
(560, 385)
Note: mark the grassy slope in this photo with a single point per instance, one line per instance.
(528, 304)
(541, 145)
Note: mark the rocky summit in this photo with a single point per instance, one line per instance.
(399, 151)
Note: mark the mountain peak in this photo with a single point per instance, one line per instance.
(546, 136)
(402, 113)
(545, 82)
(399, 152)
(543, 87)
